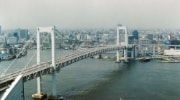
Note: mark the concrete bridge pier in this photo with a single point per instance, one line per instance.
(117, 56)
(118, 44)
(135, 52)
(132, 53)
(125, 55)
(100, 56)
(39, 95)
(53, 95)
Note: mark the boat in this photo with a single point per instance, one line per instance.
(145, 59)
(4, 53)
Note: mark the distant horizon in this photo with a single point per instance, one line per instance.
(140, 29)
(87, 28)
(80, 14)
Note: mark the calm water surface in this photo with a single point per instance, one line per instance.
(93, 79)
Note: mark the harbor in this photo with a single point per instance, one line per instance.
(12, 53)
(150, 80)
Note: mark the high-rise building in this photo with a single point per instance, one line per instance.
(150, 36)
(135, 33)
(174, 42)
(2, 41)
(22, 35)
(131, 39)
(11, 40)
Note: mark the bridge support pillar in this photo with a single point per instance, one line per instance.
(154, 51)
(132, 53)
(39, 96)
(53, 94)
(117, 56)
(125, 55)
(135, 51)
(100, 56)
(118, 44)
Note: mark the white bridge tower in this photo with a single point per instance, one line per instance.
(123, 28)
(39, 95)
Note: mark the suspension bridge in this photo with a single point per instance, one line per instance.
(53, 66)
(46, 68)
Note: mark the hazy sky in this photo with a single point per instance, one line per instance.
(90, 13)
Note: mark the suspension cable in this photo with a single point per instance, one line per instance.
(28, 62)
(10, 65)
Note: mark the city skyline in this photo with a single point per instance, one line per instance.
(90, 13)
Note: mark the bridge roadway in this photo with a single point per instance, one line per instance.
(46, 68)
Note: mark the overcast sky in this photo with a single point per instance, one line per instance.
(90, 13)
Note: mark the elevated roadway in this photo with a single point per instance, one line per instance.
(46, 68)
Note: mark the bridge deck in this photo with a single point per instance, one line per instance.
(46, 68)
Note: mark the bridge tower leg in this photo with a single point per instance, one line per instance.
(154, 51)
(126, 45)
(135, 51)
(118, 44)
(117, 56)
(53, 64)
(38, 62)
(132, 53)
(39, 95)
(125, 55)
